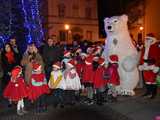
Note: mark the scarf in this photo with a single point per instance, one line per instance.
(10, 57)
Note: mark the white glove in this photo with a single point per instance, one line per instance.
(156, 69)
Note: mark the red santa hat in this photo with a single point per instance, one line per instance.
(83, 54)
(89, 60)
(97, 50)
(71, 63)
(95, 58)
(113, 58)
(151, 36)
(101, 61)
(90, 49)
(36, 66)
(16, 71)
(57, 65)
(67, 53)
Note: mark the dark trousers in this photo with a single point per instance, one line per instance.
(48, 70)
(100, 95)
(41, 103)
(58, 96)
(69, 96)
(151, 89)
(5, 80)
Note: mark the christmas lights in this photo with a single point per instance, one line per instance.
(21, 19)
(32, 21)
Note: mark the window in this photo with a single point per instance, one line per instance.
(89, 35)
(61, 10)
(75, 9)
(63, 35)
(88, 12)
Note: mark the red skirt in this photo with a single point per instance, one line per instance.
(16, 91)
(36, 91)
(98, 80)
(88, 74)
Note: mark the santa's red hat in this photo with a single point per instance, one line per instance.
(95, 58)
(36, 66)
(97, 50)
(72, 62)
(90, 49)
(151, 37)
(89, 60)
(57, 65)
(83, 54)
(16, 71)
(113, 58)
(101, 61)
(67, 53)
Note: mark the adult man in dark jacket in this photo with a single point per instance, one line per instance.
(51, 53)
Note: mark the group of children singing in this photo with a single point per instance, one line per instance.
(76, 73)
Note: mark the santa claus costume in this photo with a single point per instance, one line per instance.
(113, 76)
(66, 58)
(99, 81)
(72, 81)
(38, 88)
(87, 79)
(80, 64)
(150, 65)
(57, 84)
(16, 89)
(71, 77)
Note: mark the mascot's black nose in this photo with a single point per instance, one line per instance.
(109, 27)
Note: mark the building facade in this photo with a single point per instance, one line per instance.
(70, 20)
(152, 17)
(148, 22)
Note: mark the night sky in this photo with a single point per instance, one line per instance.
(108, 8)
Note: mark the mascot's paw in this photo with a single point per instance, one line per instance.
(126, 93)
(129, 63)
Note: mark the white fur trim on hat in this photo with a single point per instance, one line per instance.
(39, 68)
(87, 63)
(67, 54)
(151, 38)
(56, 66)
(84, 54)
(70, 64)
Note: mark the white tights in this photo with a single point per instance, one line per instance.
(20, 104)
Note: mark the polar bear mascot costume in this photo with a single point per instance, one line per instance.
(119, 42)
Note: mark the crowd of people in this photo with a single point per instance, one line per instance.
(62, 71)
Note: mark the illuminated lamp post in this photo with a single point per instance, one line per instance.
(67, 29)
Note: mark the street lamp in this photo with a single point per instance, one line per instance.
(141, 28)
(67, 28)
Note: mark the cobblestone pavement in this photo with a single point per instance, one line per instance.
(77, 112)
(126, 108)
(74, 112)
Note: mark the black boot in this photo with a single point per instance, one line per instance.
(153, 91)
(99, 99)
(148, 91)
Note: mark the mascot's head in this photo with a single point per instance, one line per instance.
(116, 24)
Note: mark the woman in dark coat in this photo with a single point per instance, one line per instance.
(9, 61)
